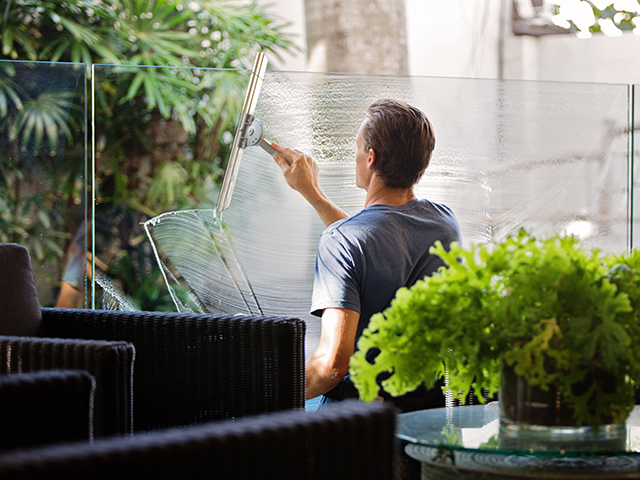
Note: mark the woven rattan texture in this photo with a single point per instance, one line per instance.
(195, 368)
(349, 441)
(45, 407)
(110, 363)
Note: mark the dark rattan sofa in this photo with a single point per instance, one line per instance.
(152, 370)
(194, 368)
(182, 371)
(349, 441)
(50, 406)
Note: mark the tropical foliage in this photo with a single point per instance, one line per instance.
(592, 16)
(38, 125)
(162, 130)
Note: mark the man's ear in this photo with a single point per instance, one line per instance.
(371, 159)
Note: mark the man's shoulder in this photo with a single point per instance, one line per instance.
(433, 206)
(344, 228)
(380, 216)
(352, 221)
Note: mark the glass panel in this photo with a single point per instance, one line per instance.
(162, 136)
(43, 173)
(543, 156)
(634, 150)
(549, 157)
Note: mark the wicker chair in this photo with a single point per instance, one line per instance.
(45, 407)
(22, 348)
(195, 368)
(110, 363)
(188, 368)
(348, 441)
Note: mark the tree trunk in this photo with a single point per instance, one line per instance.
(357, 36)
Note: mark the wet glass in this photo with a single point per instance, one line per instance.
(43, 161)
(548, 157)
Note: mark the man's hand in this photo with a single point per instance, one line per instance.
(302, 175)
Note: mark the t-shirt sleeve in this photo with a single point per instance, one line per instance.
(336, 282)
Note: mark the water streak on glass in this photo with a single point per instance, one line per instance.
(197, 257)
(113, 298)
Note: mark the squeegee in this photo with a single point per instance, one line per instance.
(248, 134)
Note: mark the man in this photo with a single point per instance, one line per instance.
(364, 259)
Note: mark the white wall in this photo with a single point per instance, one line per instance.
(460, 38)
(599, 59)
(453, 38)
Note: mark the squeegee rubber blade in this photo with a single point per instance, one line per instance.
(248, 108)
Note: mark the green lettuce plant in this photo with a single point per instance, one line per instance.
(559, 314)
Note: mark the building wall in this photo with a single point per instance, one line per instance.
(599, 59)
(453, 38)
(462, 38)
(357, 36)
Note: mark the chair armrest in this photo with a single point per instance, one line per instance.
(347, 441)
(192, 368)
(110, 363)
(45, 407)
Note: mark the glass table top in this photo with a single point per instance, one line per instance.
(476, 428)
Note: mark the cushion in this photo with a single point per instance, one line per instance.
(19, 306)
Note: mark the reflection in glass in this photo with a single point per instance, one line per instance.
(43, 173)
(162, 136)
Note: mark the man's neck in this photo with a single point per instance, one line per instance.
(379, 194)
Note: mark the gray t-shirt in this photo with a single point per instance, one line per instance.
(364, 259)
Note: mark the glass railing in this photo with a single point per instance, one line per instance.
(162, 137)
(548, 157)
(634, 158)
(43, 162)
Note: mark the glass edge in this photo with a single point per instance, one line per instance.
(631, 166)
(87, 179)
(42, 62)
(504, 451)
(92, 203)
(169, 67)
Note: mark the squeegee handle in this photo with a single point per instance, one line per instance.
(266, 146)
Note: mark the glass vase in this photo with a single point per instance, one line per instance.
(540, 420)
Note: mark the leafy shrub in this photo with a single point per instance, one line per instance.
(558, 314)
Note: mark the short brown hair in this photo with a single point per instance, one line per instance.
(402, 138)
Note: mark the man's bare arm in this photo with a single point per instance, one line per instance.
(302, 176)
(330, 362)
